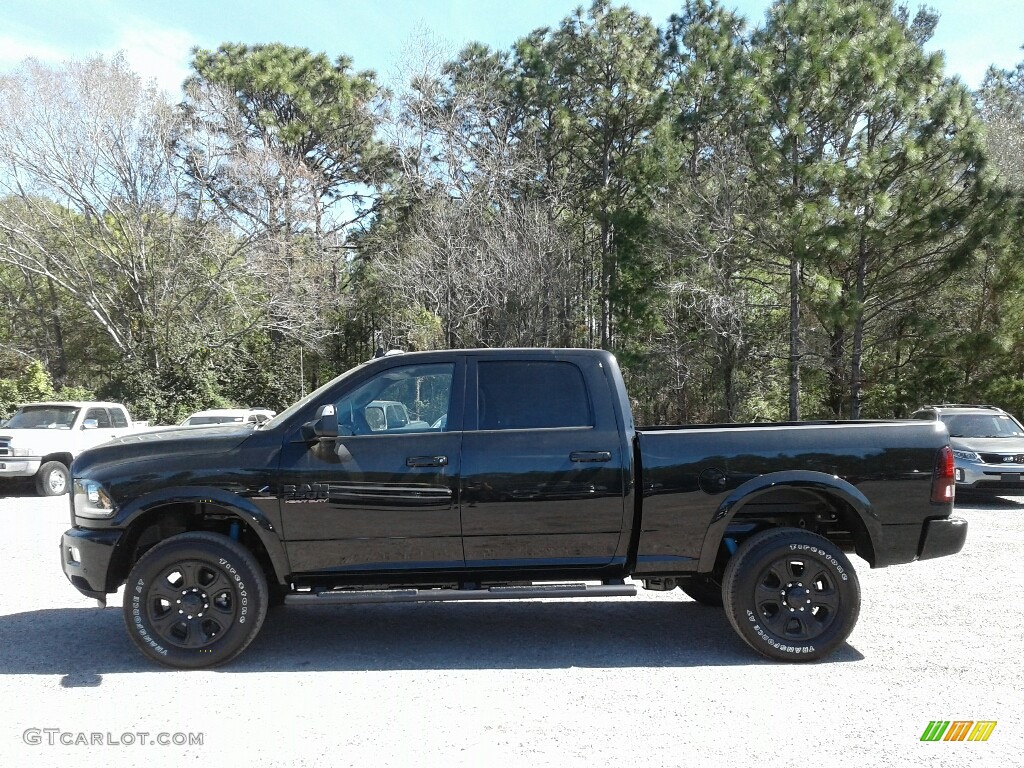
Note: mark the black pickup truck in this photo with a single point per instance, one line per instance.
(515, 474)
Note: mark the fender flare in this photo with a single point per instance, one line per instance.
(233, 504)
(817, 482)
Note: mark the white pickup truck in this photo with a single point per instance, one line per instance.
(42, 439)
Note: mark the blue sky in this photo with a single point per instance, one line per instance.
(157, 35)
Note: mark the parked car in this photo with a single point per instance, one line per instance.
(987, 443)
(539, 485)
(228, 416)
(42, 439)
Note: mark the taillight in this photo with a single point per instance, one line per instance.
(944, 477)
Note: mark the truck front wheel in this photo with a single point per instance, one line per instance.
(52, 479)
(195, 600)
(791, 595)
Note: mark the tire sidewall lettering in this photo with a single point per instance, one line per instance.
(138, 619)
(828, 557)
(765, 628)
(770, 640)
(136, 613)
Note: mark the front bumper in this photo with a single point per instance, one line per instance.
(85, 556)
(18, 467)
(993, 478)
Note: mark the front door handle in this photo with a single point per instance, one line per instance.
(590, 456)
(427, 461)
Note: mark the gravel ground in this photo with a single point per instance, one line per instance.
(652, 681)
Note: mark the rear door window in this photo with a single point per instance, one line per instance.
(531, 394)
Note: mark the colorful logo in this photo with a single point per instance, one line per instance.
(958, 730)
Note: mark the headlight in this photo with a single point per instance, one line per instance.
(967, 456)
(17, 450)
(92, 500)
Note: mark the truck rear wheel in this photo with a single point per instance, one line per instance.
(195, 600)
(791, 595)
(52, 479)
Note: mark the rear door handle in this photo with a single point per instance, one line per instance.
(427, 461)
(590, 456)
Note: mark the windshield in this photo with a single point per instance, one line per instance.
(982, 425)
(43, 417)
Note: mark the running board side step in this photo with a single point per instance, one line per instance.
(335, 597)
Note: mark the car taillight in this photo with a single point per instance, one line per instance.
(944, 478)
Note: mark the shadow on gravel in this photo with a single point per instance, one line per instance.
(85, 644)
(17, 489)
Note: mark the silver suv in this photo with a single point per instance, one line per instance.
(987, 443)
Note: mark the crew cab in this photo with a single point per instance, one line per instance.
(40, 440)
(524, 477)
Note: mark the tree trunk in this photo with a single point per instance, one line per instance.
(794, 337)
(856, 359)
(837, 379)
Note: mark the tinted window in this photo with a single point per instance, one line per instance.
(101, 416)
(396, 416)
(531, 395)
(118, 419)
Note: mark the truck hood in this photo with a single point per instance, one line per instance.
(36, 441)
(201, 434)
(6, 433)
(1005, 445)
(163, 444)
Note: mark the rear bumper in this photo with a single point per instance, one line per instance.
(85, 557)
(942, 537)
(936, 537)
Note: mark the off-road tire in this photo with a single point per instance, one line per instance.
(195, 600)
(791, 595)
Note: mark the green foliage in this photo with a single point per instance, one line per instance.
(593, 92)
(317, 111)
(259, 373)
(34, 384)
(168, 394)
(809, 209)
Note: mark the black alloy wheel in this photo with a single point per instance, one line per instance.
(195, 600)
(791, 594)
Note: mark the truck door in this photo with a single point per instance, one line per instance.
(104, 429)
(544, 473)
(380, 497)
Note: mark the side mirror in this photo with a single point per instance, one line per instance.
(324, 426)
(90, 424)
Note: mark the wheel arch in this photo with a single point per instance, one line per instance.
(63, 457)
(825, 504)
(154, 518)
